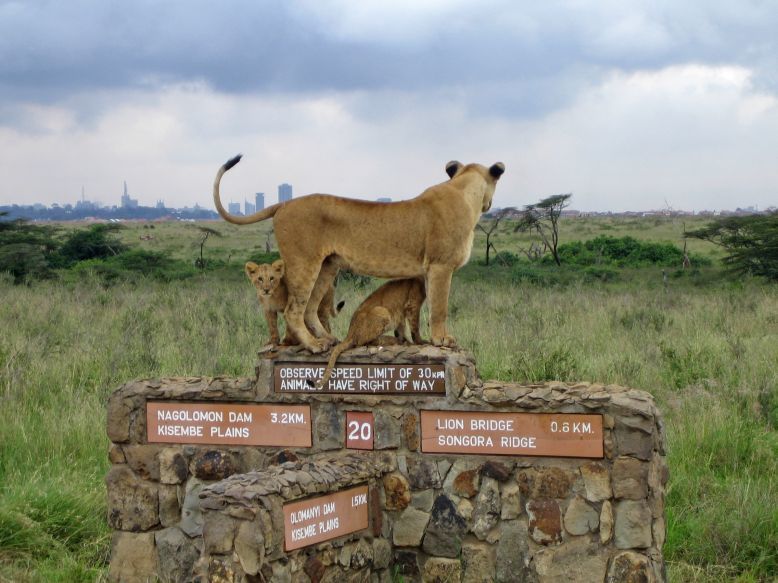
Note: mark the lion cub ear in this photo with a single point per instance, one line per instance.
(251, 268)
(452, 168)
(497, 170)
(278, 267)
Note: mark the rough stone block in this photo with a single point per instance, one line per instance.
(630, 478)
(606, 522)
(387, 431)
(478, 563)
(633, 442)
(445, 530)
(486, 510)
(169, 505)
(397, 491)
(133, 504)
(133, 558)
(580, 518)
(438, 570)
(172, 466)
(632, 528)
(423, 473)
(577, 561)
(545, 521)
(545, 482)
(511, 501)
(177, 555)
(513, 556)
(597, 481)
(213, 464)
(250, 546)
(218, 533)
(409, 527)
(629, 567)
(410, 428)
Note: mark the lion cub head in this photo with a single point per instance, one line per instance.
(266, 277)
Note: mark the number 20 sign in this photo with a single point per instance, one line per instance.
(359, 430)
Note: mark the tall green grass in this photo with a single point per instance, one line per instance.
(707, 352)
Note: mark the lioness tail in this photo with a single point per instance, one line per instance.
(247, 220)
(345, 345)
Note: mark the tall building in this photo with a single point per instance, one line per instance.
(284, 192)
(233, 208)
(127, 202)
(259, 201)
(160, 204)
(248, 208)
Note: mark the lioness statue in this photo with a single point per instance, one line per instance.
(429, 236)
(268, 280)
(392, 308)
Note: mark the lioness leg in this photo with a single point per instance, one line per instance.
(300, 280)
(324, 282)
(438, 286)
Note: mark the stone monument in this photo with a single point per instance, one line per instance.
(406, 467)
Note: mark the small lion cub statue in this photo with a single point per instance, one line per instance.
(387, 310)
(268, 279)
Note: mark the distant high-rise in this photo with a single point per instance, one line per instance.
(160, 204)
(259, 201)
(284, 192)
(233, 208)
(248, 208)
(127, 202)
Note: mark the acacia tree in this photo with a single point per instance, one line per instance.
(493, 223)
(542, 218)
(207, 232)
(751, 242)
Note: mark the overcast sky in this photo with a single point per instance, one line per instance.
(628, 105)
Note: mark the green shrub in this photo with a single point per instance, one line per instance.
(506, 258)
(95, 242)
(624, 252)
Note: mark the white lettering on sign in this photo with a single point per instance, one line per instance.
(181, 430)
(358, 500)
(196, 415)
(361, 378)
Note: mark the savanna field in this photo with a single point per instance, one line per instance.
(703, 342)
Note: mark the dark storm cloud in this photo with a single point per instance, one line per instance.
(49, 50)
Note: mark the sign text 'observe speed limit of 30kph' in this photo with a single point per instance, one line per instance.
(369, 379)
(508, 433)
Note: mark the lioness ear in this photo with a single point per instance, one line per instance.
(278, 266)
(497, 170)
(251, 268)
(452, 168)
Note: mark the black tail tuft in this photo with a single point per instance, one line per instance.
(310, 383)
(232, 161)
(341, 303)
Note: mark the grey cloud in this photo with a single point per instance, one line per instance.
(50, 50)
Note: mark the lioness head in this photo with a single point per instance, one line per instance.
(491, 175)
(266, 277)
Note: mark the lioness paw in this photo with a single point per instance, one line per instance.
(447, 341)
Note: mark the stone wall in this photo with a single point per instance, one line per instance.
(181, 511)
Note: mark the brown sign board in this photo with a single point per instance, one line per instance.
(373, 379)
(228, 424)
(360, 430)
(323, 518)
(506, 433)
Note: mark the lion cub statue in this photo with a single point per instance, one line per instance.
(272, 293)
(386, 310)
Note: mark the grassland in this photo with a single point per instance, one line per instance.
(705, 346)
